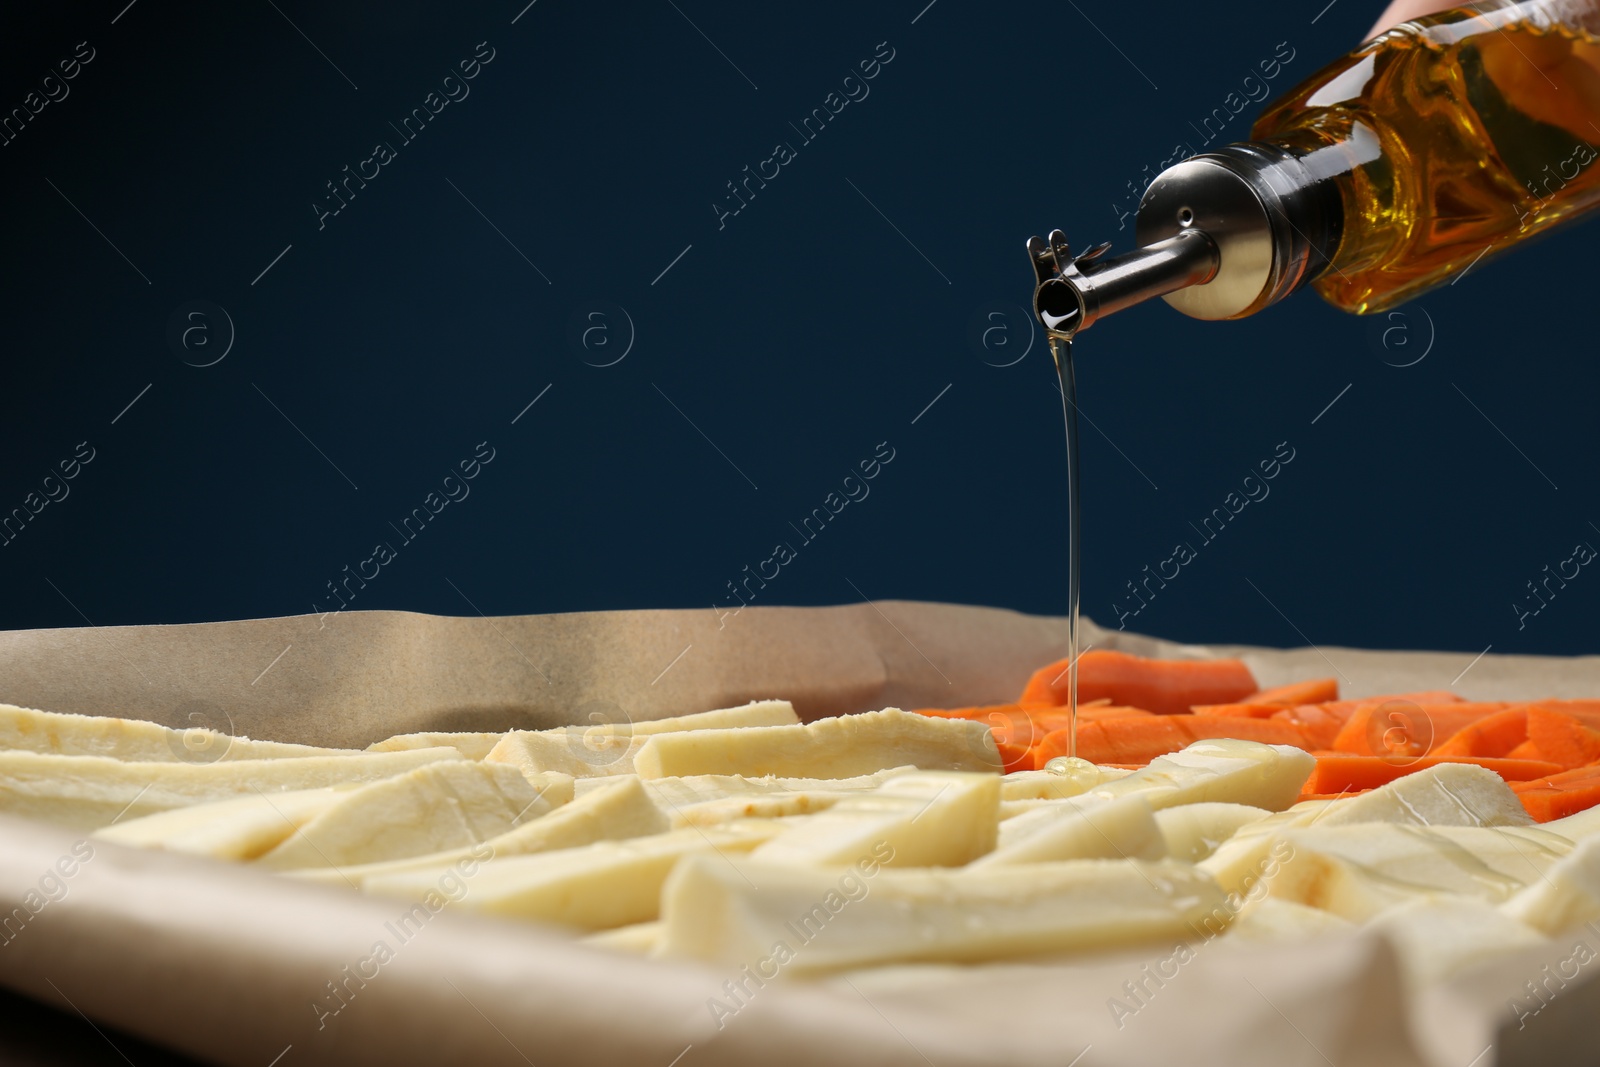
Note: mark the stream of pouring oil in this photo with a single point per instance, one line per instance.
(1061, 352)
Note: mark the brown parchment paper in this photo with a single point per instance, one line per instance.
(226, 963)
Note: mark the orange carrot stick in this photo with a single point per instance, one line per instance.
(1560, 795)
(1319, 727)
(1266, 731)
(1314, 692)
(1049, 720)
(1242, 710)
(1527, 750)
(1423, 696)
(1342, 772)
(1009, 724)
(1016, 757)
(1164, 686)
(1400, 727)
(1343, 709)
(1095, 711)
(1562, 738)
(1492, 735)
(1585, 711)
(1103, 742)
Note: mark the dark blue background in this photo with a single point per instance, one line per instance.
(818, 322)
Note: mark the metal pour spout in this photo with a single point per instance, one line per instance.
(1221, 236)
(1073, 293)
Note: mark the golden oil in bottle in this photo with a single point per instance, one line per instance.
(1459, 135)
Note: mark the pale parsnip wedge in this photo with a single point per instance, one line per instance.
(1438, 939)
(1449, 794)
(1241, 772)
(923, 819)
(88, 792)
(1578, 826)
(1238, 863)
(759, 806)
(1122, 828)
(1010, 809)
(135, 740)
(1195, 831)
(1568, 894)
(447, 805)
(620, 811)
(1273, 921)
(470, 745)
(479, 745)
(240, 828)
(1359, 871)
(640, 939)
(1047, 785)
(1445, 795)
(755, 713)
(607, 749)
(580, 753)
(677, 793)
(841, 747)
(806, 920)
(596, 887)
(1235, 772)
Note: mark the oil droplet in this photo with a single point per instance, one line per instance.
(1078, 771)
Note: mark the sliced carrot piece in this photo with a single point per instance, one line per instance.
(1546, 804)
(1527, 750)
(1319, 711)
(1135, 740)
(1164, 686)
(1585, 711)
(1266, 731)
(1016, 757)
(1101, 711)
(1010, 726)
(1562, 738)
(1343, 709)
(1424, 696)
(1343, 772)
(1492, 735)
(1560, 794)
(1022, 727)
(1052, 718)
(1576, 774)
(1313, 692)
(1319, 728)
(1245, 710)
(1400, 727)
